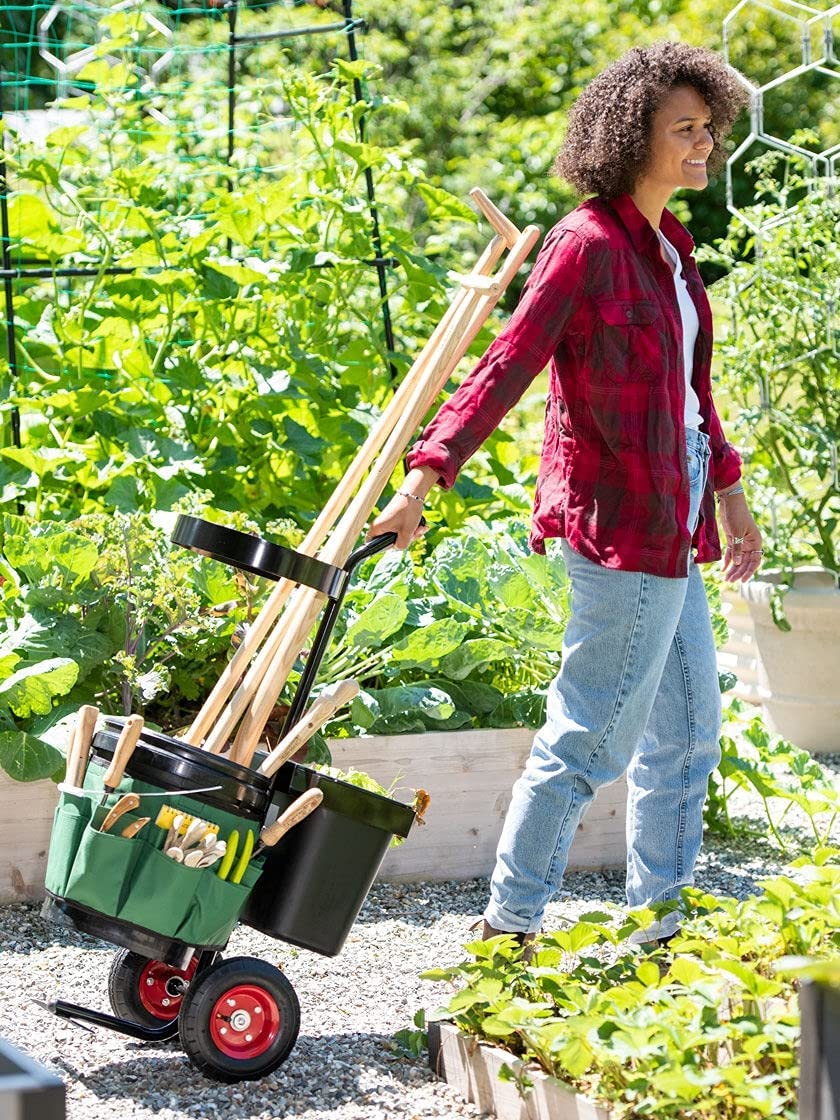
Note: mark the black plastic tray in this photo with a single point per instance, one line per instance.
(251, 553)
(317, 877)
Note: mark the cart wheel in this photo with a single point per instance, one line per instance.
(239, 1020)
(148, 992)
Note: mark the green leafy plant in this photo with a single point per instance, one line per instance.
(469, 637)
(709, 1031)
(413, 1043)
(779, 363)
(783, 776)
(239, 352)
(102, 610)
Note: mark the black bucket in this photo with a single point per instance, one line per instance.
(179, 767)
(318, 876)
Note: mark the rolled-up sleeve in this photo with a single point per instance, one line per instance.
(512, 361)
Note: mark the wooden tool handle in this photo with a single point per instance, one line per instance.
(296, 812)
(330, 700)
(123, 751)
(502, 225)
(77, 752)
(126, 804)
(131, 830)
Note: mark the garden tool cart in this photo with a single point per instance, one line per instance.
(161, 844)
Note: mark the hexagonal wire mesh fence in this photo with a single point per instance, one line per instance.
(808, 57)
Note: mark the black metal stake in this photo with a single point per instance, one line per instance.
(374, 214)
(8, 288)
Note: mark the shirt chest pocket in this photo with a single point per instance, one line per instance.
(626, 343)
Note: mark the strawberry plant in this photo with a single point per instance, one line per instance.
(711, 1030)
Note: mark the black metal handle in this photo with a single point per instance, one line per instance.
(369, 548)
(322, 637)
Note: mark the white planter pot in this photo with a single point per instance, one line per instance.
(26, 815)
(472, 1069)
(469, 775)
(799, 669)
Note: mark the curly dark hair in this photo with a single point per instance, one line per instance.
(607, 145)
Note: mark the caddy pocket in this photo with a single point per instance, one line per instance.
(216, 906)
(160, 893)
(102, 870)
(68, 824)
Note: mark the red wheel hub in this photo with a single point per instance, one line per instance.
(245, 1021)
(158, 994)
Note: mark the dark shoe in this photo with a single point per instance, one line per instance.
(524, 939)
(663, 960)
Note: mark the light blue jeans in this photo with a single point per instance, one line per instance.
(638, 692)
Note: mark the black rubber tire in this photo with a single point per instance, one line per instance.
(124, 989)
(203, 995)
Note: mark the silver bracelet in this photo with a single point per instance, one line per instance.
(405, 494)
(738, 488)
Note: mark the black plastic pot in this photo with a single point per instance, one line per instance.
(819, 1080)
(318, 876)
(180, 767)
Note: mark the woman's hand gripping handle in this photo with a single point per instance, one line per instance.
(404, 512)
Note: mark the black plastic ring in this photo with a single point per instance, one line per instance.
(253, 554)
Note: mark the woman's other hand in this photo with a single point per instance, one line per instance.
(743, 554)
(403, 513)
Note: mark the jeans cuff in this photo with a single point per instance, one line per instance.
(499, 918)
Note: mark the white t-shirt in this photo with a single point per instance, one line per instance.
(690, 326)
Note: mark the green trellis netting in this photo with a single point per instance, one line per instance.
(188, 202)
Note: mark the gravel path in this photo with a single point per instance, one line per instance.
(345, 1064)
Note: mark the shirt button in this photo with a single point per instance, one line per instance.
(628, 314)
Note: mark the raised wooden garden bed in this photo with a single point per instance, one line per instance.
(469, 775)
(472, 1069)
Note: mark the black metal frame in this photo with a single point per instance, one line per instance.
(324, 632)
(35, 269)
(168, 949)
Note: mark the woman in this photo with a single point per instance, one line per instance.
(632, 457)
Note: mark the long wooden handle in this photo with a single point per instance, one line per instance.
(79, 745)
(325, 706)
(275, 660)
(123, 751)
(211, 711)
(296, 812)
(476, 309)
(316, 536)
(502, 225)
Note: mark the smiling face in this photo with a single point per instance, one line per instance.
(680, 144)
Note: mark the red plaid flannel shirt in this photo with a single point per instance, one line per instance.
(600, 309)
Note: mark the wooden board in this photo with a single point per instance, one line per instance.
(26, 816)
(472, 1068)
(470, 775)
